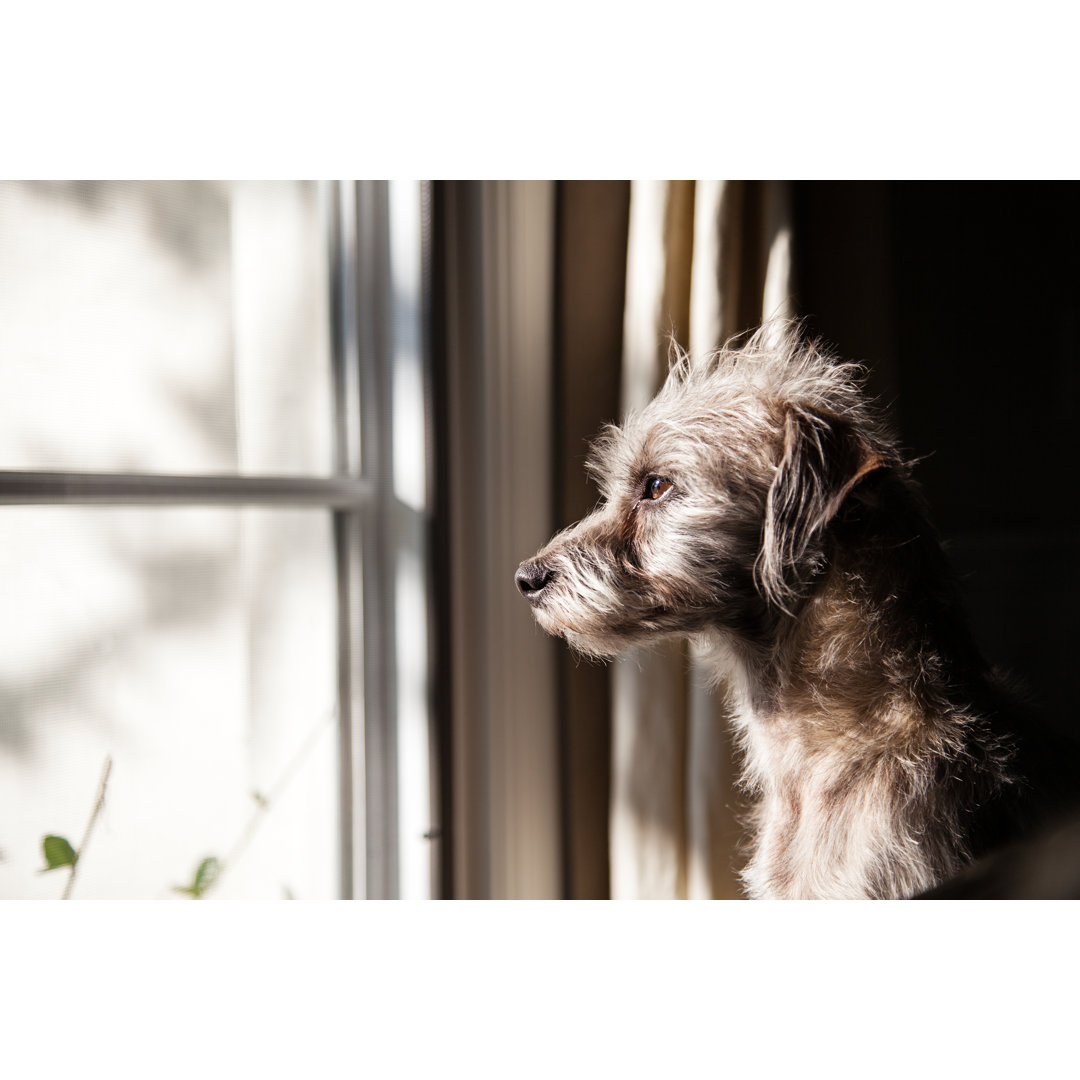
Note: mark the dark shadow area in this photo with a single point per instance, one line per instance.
(962, 299)
(592, 223)
(1045, 867)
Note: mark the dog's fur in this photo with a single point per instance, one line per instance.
(759, 506)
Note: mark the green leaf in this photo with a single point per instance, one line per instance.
(58, 852)
(205, 876)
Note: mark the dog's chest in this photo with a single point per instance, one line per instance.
(819, 837)
(805, 850)
(815, 835)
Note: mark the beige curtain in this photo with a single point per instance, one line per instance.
(705, 260)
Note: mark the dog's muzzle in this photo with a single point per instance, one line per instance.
(532, 578)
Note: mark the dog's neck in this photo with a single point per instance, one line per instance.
(859, 659)
(823, 675)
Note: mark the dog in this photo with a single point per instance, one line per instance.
(760, 506)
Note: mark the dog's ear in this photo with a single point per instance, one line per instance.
(823, 459)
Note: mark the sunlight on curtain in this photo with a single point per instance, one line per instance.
(705, 260)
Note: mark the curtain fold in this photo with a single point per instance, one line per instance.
(705, 260)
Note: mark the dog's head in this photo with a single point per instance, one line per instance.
(716, 501)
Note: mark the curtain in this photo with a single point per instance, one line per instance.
(705, 260)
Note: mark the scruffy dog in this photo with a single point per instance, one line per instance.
(758, 505)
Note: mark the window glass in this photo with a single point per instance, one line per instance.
(196, 648)
(173, 327)
(254, 681)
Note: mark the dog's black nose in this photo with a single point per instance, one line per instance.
(531, 577)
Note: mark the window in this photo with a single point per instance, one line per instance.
(213, 507)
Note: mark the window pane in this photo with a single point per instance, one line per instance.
(163, 326)
(196, 647)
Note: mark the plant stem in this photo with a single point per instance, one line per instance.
(267, 801)
(95, 813)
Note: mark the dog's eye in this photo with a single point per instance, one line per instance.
(657, 488)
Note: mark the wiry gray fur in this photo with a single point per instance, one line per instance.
(790, 542)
